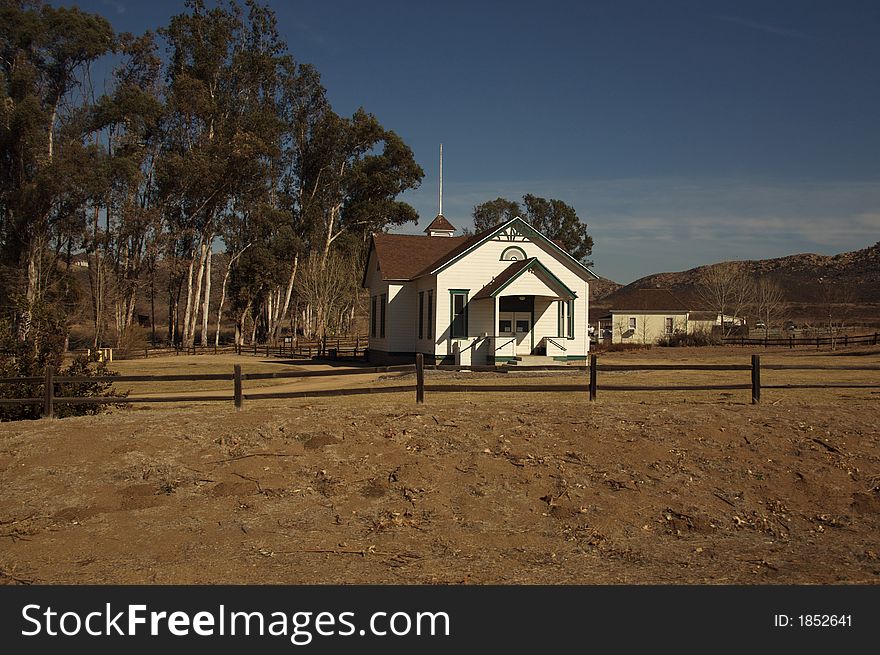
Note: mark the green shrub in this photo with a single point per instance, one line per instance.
(621, 347)
(695, 339)
(29, 357)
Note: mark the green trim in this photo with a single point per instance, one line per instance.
(421, 313)
(464, 310)
(431, 318)
(527, 267)
(559, 319)
(571, 319)
(516, 248)
(528, 231)
(502, 359)
(532, 327)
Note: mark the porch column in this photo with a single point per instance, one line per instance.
(494, 341)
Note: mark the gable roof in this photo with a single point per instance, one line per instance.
(440, 224)
(477, 239)
(404, 256)
(505, 276)
(646, 300)
(409, 256)
(516, 269)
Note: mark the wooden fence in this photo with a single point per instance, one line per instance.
(49, 380)
(341, 347)
(844, 340)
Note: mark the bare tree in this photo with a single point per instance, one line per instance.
(769, 302)
(727, 289)
(323, 285)
(837, 302)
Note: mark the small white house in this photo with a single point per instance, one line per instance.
(644, 316)
(648, 316)
(489, 298)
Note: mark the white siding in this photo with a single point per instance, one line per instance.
(649, 327)
(476, 269)
(402, 319)
(545, 320)
(377, 287)
(424, 284)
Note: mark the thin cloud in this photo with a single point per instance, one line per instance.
(643, 226)
(763, 27)
(116, 6)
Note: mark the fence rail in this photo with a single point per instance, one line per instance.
(341, 347)
(49, 399)
(844, 340)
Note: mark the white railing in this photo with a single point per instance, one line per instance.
(503, 346)
(554, 348)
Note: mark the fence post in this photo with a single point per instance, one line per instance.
(592, 377)
(49, 393)
(236, 382)
(420, 378)
(875, 338)
(790, 342)
(756, 379)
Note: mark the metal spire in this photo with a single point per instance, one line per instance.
(441, 179)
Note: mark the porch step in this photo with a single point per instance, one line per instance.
(534, 360)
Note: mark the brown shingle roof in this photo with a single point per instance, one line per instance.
(646, 300)
(502, 278)
(440, 223)
(462, 244)
(404, 256)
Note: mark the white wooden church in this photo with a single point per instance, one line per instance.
(495, 297)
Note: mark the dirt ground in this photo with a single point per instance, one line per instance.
(637, 487)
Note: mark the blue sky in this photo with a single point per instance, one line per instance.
(683, 133)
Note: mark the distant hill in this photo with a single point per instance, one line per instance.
(857, 271)
(602, 287)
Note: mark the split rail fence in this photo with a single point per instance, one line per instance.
(49, 400)
(844, 340)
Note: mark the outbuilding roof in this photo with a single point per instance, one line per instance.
(647, 300)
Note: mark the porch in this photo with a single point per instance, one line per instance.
(525, 311)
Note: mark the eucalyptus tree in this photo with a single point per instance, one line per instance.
(352, 172)
(45, 53)
(129, 119)
(223, 129)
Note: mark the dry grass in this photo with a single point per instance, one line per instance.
(482, 488)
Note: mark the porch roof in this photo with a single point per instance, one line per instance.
(513, 282)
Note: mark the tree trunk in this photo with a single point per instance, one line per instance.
(196, 308)
(287, 294)
(189, 293)
(206, 308)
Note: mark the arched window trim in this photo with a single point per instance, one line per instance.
(505, 256)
